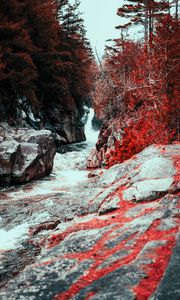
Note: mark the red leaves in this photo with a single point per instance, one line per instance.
(140, 89)
(149, 130)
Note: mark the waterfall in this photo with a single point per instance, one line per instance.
(91, 134)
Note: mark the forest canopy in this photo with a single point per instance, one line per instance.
(137, 85)
(44, 54)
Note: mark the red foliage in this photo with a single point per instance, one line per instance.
(140, 88)
(149, 130)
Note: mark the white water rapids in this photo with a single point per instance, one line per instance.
(69, 170)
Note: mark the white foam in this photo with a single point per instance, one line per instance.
(11, 238)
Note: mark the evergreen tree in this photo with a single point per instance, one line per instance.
(144, 12)
(79, 50)
(44, 54)
(45, 28)
(18, 72)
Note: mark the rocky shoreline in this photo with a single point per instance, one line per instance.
(113, 236)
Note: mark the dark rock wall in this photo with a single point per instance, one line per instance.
(66, 125)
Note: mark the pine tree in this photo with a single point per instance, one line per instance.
(144, 12)
(80, 53)
(18, 71)
(45, 28)
(44, 54)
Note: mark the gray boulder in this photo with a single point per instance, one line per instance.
(25, 155)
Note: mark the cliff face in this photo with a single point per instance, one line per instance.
(66, 126)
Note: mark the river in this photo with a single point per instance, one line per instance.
(68, 172)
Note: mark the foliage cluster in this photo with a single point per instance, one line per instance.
(139, 84)
(44, 54)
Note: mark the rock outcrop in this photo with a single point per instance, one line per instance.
(116, 237)
(25, 154)
(106, 142)
(67, 127)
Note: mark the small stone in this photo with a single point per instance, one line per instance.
(112, 203)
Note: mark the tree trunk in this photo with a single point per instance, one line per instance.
(177, 9)
(146, 20)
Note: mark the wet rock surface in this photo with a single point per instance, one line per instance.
(67, 127)
(64, 123)
(112, 235)
(25, 154)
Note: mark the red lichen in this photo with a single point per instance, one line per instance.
(155, 271)
(99, 253)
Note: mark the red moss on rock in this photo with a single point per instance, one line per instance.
(99, 253)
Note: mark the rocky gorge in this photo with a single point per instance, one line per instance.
(29, 144)
(91, 234)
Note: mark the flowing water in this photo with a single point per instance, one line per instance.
(69, 170)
